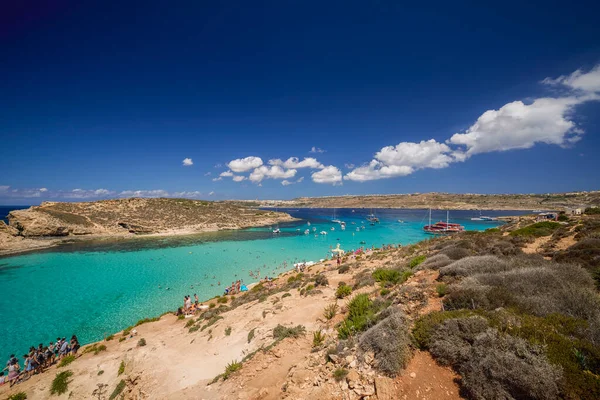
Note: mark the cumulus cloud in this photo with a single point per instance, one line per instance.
(187, 162)
(349, 165)
(211, 193)
(43, 190)
(316, 150)
(226, 174)
(518, 125)
(329, 174)
(403, 159)
(208, 173)
(217, 179)
(273, 172)
(285, 182)
(188, 195)
(579, 80)
(294, 162)
(245, 164)
(238, 178)
(88, 194)
(144, 193)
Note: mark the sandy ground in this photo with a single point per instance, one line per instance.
(176, 364)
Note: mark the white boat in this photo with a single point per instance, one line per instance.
(276, 230)
(343, 227)
(308, 223)
(337, 221)
(314, 229)
(306, 231)
(357, 229)
(323, 233)
(332, 228)
(401, 221)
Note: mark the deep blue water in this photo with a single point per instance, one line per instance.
(4, 210)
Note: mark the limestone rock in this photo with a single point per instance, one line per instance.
(384, 387)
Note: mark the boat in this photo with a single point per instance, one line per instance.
(306, 231)
(314, 229)
(334, 219)
(323, 233)
(401, 221)
(372, 217)
(483, 218)
(538, 211)
(343, 227)
(442, 228)
(353, 211)
(276, 230)
(332, 228)
(357, 229)
(308, 223)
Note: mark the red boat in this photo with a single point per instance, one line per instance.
(442, 228)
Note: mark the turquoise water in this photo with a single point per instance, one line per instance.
(95, 289)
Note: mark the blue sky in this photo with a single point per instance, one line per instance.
(102, 99)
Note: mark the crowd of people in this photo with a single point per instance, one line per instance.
(37, 360)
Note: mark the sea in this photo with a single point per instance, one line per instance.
(96, 288)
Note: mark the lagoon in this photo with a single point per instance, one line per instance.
(93, 289)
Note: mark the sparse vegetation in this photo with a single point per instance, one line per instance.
(95, 348)
(60, 384)
(343, 291)
(321, 280)
(318, 338)
(18, 396)
(281, 332)
(539, 229)
(416, 261)
(121, 368)
(141, 342)
(118, 390)
(190, 322)
(384, 292)
(343, 269)
(222, 300)
(384, 276)
(100, 372)
(361, 315)
(330, 311)
(340, 374)
(231, 368)
(228, 331)
(592, 211)
(66, 360)
(251, 335)
(109, 338)
(287, 294)
(146, 320)
(441, 289)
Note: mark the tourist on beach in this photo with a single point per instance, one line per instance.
(64, 348)
(74, 344)
(196, 298)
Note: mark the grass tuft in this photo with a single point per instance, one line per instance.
(60, 384)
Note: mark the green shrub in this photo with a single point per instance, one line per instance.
(18, 396)
(228, 331)
(180, 317)
(592, 211)
(416, 261)
(545, 228)
(330, 311)
(286, 294)
(127, 330)
(141, 342)
(251, 335)
(194, 328)
(100, 372)
(122, 339)
(343, 269)
(387, 275)
(60, 384)
(213, 305)
(361, 315)
(441, 289)
(281, 332)
(343, 291)
(109, 338)
(318, 338)
(190, 322)
(222, 300)
(231, 368)
(436, 262)
(384, 292)
(340, 374)
(66, 360)
(118, 390)
(121, 368)
(146, 320)
(563, 218)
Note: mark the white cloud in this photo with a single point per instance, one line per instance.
(218, 165)
(294, 162)
(518, 125)
(144, 193)
(245, 164)
(285, 182)
(349, 165)
(189, 195)
(208, 173)
(273, 172)
(43, 190)
(101, 192)
(187, 162)
(211, 193)
(403, 159)
(226, 174)
(316, 150)
(578, 80)
(329, 174)
(238, 178)
(217, 179)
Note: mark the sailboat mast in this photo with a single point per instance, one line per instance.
(447, 218)
(430, 217)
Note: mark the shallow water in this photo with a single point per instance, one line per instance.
(94, 289)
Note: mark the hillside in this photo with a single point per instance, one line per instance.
(127, 217)
(509, 313)
(553, 201)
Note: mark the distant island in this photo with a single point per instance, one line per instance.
(467, 201)
(52, 223)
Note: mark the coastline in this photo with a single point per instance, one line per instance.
(48, 242)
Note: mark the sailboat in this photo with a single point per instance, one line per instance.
(334, 219)
(442, 228)
(372, 218)
(483, 218)
(277, 230)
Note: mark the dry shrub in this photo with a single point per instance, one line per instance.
(436, 262)
(390, 341)
(474, 264)
(493, 365)
(456, 253)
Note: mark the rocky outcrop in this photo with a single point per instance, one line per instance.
(131, 216)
